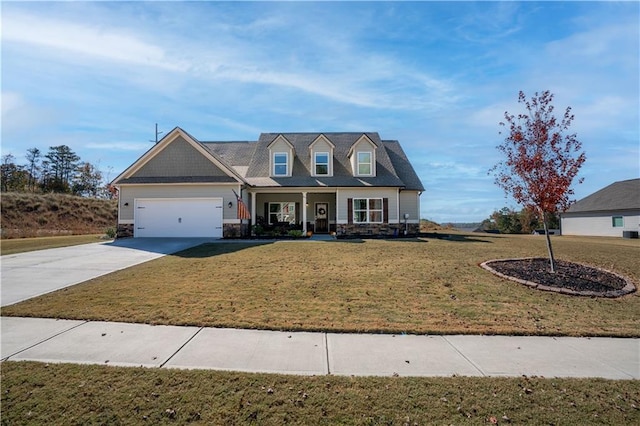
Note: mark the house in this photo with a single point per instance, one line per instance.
(613, 211)
(348, 183)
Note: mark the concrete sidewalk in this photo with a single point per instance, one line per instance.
(50, 340)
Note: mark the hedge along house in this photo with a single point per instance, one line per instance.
(349, 183)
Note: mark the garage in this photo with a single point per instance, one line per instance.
(178, 217)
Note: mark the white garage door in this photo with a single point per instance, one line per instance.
(178, 217)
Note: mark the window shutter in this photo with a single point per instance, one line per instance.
(350, 210)
(298, 214)
(385, 210)
(267, 216)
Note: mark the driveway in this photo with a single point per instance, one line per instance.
(31, 274)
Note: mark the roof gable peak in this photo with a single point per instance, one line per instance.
(280, 138)
(322, 137)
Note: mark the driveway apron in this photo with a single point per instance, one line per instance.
(31, 274)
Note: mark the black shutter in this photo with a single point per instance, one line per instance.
(350, 210)
(385, 210)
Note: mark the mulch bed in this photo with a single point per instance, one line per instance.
(569, 278)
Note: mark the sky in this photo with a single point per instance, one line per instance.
(437, 76)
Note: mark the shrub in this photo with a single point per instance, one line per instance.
(111, 232)
(258, 230)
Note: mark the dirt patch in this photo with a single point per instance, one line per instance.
(569, 278)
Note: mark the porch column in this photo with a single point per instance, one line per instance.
(304, 213)
(253, 208)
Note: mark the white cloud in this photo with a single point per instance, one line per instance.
(110, 44)
(11, 101)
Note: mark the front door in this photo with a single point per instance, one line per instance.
(322, 218)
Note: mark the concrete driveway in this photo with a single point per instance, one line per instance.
(31, 274)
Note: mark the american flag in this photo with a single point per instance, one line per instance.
(243, 210)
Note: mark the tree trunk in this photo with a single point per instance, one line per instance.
(552, 259)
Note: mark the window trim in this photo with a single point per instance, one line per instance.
(316, 164)
(613, 221)
(369, 163)
(286, 164)
(279, 212)
(368, 210)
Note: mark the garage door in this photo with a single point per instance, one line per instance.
(178, 217)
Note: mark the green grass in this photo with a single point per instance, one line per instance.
(430, 286)
(65, 394)
(22, 245)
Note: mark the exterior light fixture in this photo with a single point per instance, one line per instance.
(230, 204)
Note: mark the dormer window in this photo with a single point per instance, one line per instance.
(280, 164)
(362, 156)
(321, 156)
(364, 163)
(321, 161)
(281, 155)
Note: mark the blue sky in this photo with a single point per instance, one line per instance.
(437, 76)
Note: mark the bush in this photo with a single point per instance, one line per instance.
(258, 230)
(111, 232)
(295, 233)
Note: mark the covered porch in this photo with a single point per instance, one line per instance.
(311, 210)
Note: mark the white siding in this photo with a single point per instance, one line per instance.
(410, 203)
(344, 194)
(599, 224)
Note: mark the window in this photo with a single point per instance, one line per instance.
(617, 221)
(280, 164)
(322, 163)
(282, 212)
(364, 163)
(367, 210)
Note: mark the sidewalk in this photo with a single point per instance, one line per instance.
(50, 340)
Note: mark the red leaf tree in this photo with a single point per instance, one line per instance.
(541, 159)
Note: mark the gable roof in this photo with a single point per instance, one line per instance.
(248, 162)
(622, 195)
(258, 171)
(159, 165)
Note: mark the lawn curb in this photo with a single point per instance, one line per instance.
(627, 289)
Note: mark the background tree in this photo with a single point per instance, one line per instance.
(511, 221)
(12, 176)
(33, 159)
(87, 180)
(61, 163)
(541, 159)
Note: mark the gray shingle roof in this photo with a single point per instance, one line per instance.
(622, 195)
(233, 153)
(403, 167)
(179, 179)
(251, 160)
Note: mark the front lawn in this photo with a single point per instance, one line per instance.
(430, 286)
(66, 394)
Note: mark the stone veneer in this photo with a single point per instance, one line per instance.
(235, 230)
(377, 229)
(230, 230)
(124, 230)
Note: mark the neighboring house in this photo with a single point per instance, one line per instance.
(348, 183)
(612, 211)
